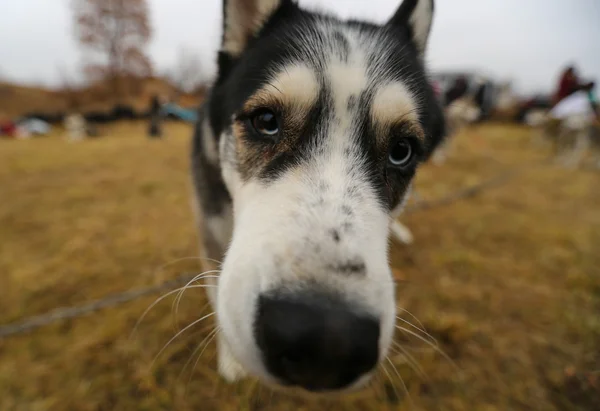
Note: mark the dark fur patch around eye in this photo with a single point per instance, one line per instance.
(304, 137)
(265, 158)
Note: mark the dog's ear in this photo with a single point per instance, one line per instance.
(416, 16)
(243, 19)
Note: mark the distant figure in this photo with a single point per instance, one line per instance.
(8, 128)
(155, 130)
(580, 106)
(75, 125)
(459, 89)
(570, 83)
(484, 97)
(92, 130)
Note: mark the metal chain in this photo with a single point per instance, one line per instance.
(32, 323)
(112, 300)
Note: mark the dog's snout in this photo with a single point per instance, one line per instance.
(314, 344)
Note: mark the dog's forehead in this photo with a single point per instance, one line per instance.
(344, 91)
(353, 65)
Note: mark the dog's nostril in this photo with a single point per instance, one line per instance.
(288, 362)
(291, 360)
(314, 343)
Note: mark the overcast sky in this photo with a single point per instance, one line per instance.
(527, 41)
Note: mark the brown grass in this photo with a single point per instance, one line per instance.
(508, 282)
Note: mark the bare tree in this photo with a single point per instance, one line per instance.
(187, 76)
(116, 33)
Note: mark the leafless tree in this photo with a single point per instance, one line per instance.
(116, 33)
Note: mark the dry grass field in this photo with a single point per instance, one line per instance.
(508, 282)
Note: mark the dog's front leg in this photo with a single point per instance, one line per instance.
(229, 368)
(401, 233)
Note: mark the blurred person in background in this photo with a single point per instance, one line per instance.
(154, 130)
(572, 87)
(8, 128)
(570, 83)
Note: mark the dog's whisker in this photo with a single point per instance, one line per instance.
(375, 385)
(208, 339)
(416, 349)
(389, 376)
(401, 381)
(198, 347)
(395, 351)
(178, 260)
(178, 334)
(432, 345)
(212, 260)
(414, 317)
(414, 364)
(177, 301)
(203, 275)
(158, 300)
(199, 312)
(214, 333)
(431, 337)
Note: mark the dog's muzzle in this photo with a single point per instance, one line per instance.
(314, 341)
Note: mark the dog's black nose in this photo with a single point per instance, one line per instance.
(314, 343)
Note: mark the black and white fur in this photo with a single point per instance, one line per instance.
(300, 219)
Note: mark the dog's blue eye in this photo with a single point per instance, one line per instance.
(401, 154)
(265, 122)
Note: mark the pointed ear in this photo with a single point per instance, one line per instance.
(416, 15)
(243, 19)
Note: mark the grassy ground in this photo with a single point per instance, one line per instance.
(508, 282)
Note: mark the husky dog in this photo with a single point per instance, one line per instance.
(303, 154)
